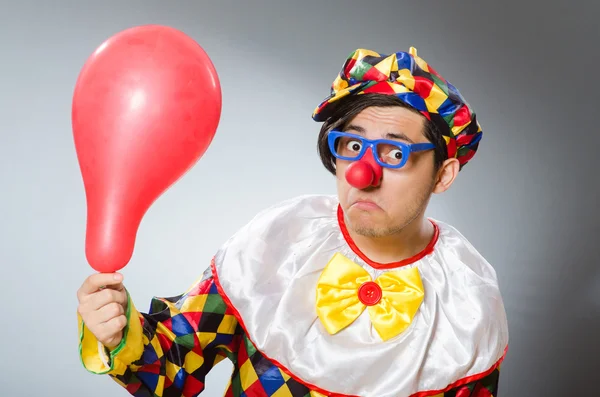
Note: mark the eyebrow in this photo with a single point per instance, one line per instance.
(390, 135)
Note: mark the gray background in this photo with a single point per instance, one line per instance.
(527, 201)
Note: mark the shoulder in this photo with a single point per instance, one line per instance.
(453, 244)
(290, 227)
(287, 214)
(457, 272)
(299, 206)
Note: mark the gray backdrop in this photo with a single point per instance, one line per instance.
(527, 201)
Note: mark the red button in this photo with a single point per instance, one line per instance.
(370, 293)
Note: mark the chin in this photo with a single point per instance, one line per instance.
(364, 223)
(367, 230)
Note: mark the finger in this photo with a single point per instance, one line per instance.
(95, 281)
(116, 287)
(113, 341)
(112, 330)
(102, 298)
(106, 313)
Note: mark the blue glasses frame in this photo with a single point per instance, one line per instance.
(406, 148)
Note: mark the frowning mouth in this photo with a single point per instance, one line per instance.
(366, 205)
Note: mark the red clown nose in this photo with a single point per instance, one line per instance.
(365, 172)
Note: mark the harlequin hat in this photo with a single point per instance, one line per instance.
(411, 79)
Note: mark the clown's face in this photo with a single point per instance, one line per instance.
(401, 195)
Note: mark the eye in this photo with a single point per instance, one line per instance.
(354, 146)
(396, 154)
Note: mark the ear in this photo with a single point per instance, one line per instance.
(446, 175)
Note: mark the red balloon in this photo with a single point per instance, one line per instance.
(146, 107)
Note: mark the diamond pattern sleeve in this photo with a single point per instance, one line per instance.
(170, 350)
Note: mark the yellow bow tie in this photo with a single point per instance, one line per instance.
(345, 289)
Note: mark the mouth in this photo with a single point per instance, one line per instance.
(365, 204)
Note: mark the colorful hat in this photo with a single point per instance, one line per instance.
(411, 79)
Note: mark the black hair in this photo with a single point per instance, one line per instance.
(346, 109)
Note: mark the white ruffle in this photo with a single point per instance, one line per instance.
(269, 270)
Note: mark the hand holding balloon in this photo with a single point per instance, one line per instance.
(102, 307)
(145, 108)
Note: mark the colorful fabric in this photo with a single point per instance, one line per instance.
(345, 289)
(411, 79)
(185, 336)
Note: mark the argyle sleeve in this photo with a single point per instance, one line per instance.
(169, 350)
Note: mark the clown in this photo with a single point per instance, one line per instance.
(357, 294)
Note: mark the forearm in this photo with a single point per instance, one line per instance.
(149, 347)
(170, 350)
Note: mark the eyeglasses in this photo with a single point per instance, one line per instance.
(390, 154)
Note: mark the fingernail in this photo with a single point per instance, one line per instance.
(117, 276)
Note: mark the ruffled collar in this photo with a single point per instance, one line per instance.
(268, 273)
